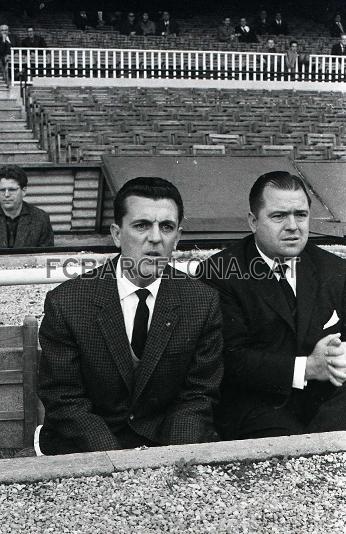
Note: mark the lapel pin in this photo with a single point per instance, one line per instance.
(168, 324)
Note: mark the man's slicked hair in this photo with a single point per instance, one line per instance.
(279, 180)
(147, 187)
(13, 172)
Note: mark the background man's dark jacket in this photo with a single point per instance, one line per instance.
(87, 382)
(261, 340)
(34, 228)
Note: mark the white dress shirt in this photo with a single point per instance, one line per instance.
(299, 381)
(129, 300)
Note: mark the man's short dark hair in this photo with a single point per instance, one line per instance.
(279, 180)
(147, 187)
(293, 42)
(13, 172)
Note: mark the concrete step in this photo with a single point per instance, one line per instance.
(18, 145)
(10, 113)
(24, 156)
(6, 102)
(13, 124)
(8, 135)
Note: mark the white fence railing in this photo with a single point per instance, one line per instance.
(27, 63)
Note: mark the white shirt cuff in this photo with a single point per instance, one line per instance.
(299, 381)
(37, 441)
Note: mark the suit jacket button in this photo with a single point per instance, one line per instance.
(131, 418)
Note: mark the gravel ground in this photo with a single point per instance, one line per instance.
(18, 301)
(301, 495)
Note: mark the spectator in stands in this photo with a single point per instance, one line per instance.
(337, 27)
(21, 224)
(167, 26)
(5, 51)
(294, 61)
(146, 25)
(116, 20)
(81, 20)
(225, 33)
(106, 380)
(130, 26)
(269, 61)
(262, 24)
(279, 26)
(339, 49)
(32, 40)
(244, 33)
(283, 302)
(271, 48)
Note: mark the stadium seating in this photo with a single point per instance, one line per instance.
(158, 121)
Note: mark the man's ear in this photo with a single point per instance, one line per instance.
(252, 221)
(115, 233)
(24, 191)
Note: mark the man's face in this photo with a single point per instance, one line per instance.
(4, 30)
(294, 47)
(343, 40)
(148, 234)
(271, 43)
(242, 22)
(30, 33)
(281, 227)
(263, 14)
(145, 17)
(227, 21)
(337, 18)
(165, 15)
(11, 195)
(131, 17)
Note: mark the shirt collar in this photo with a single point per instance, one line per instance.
(272, 263)
(126, 287)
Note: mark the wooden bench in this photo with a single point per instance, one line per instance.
(20, 410)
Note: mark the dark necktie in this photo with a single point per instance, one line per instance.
(140, 324)
(281, 269)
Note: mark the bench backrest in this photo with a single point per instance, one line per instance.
(18, 379)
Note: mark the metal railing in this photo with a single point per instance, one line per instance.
(173, 64)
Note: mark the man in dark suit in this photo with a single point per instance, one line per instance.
(131, 352)
(244, 33)
(21, 224)
(339, 49)
(32, 40)
(283, 303)
(337, 27)
(167, 26)
(278, 26)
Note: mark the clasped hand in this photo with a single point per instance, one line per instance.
(327, 361)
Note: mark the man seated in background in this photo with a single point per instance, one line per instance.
(32, 40)
(21, 224)
(146, 25)
(339, 49)
(295, 60)
(225, 33)
(244, 33)
(129, 26)
(283, 301)
(131, 352)
(5, 51)
(167, 26)
(337, 27)
(278, 26)
(262, 24)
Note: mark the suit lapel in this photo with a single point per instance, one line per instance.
(3, 232)
(112, 325)
(164, 320)
(267, 286)
(307, 284)
(22, 231)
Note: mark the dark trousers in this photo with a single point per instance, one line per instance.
(320, 407)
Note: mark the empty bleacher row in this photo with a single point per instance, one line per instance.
(80, 124)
